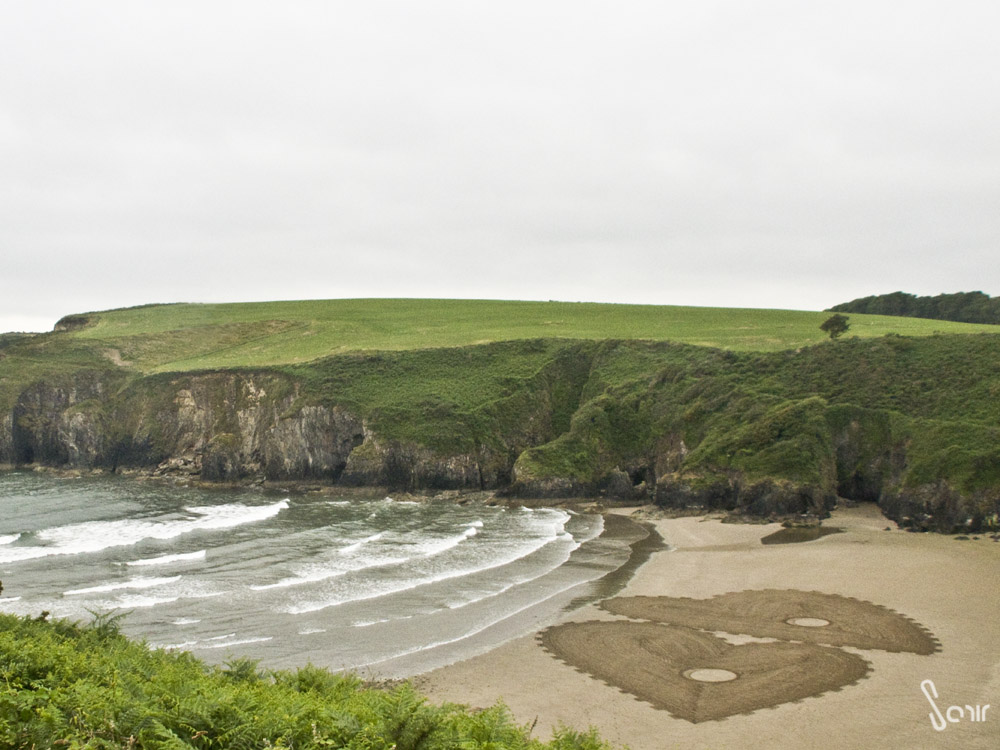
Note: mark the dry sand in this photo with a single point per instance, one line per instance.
(936, 608)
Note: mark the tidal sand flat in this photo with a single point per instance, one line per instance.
(726, 642)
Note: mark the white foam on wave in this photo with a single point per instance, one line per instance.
(474, 631)
(351, 548)
(592, 533)
(185, 621)
(321, 573)
(369, 623)
(240, 642)
(550, 530)
(140, 602)
(388, 499)
(482, 596)
(349, 562)
(312, 631)
(167, 559)
(432, 548)
(9, 599)
(9, 538)
(94, 536)
(172, 646)
(133, 583)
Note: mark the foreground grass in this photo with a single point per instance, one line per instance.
(66, 685)
(193, 336)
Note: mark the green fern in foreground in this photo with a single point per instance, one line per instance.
(73, 686)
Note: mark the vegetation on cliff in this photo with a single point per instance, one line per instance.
(67, 685)
(758, 423)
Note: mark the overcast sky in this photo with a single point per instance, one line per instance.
(779, 153)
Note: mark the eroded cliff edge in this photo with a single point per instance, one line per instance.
(912, 424)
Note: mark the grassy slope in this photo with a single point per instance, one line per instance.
(188, 336)
(65, 685)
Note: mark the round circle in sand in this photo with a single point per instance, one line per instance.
(808, 622)
(710, 675)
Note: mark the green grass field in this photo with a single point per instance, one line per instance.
(196, 336)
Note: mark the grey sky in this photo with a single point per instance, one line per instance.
(766, 154)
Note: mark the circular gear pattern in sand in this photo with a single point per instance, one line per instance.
(660, 664)
(789, 615)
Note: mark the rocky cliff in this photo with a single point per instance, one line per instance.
(684, 427)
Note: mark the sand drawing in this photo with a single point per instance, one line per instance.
(673, 659)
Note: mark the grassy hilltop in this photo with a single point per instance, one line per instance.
(180, 337)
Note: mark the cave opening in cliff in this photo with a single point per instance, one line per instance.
(639, 475)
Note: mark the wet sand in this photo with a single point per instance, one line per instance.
(821, 644)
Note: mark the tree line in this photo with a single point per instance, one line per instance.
(964, 307)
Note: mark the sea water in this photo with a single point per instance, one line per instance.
(385, 587)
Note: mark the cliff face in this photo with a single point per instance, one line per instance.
(683, 427)
(225, 427)
(232, 427)
(56, 423)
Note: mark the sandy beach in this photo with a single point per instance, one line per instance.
(837, 634)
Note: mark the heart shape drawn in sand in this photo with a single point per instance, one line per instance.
(789, 615)
(698, 676)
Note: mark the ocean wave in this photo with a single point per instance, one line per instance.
(139, 602)
(474, 631)
(397, 550)
(519, 581)
(350, 548)
(133, 583)
(373, 590)
(436, 547)
(167, 559)
(388, 499)
(9, 538)
(301, 579)
(94, 536)
(369, 623)
(241, 642)
(172, 646)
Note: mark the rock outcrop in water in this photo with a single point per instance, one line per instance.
(762, 435)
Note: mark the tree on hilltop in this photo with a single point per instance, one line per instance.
(835, 325)
(964, 307)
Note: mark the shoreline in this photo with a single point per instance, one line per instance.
(641, 540)
(944, 586)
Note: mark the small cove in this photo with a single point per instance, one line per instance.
(386, 587)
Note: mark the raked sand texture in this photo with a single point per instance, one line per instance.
(888, 609)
